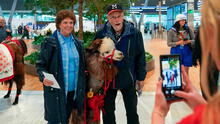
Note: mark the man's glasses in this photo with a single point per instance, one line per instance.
(115, 17)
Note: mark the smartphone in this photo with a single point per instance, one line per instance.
(170, 71)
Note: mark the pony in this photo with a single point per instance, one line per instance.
(101, 71)
(18, 48)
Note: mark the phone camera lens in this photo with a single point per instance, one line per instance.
(172, 92)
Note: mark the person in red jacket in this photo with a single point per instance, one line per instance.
(205, 112)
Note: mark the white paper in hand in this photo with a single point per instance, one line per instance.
(51, 78)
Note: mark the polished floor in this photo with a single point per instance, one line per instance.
(30, 108)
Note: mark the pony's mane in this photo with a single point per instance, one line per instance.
(23, 45)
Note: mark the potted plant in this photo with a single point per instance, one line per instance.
(37, 42)
(30, 62)
(150, 65)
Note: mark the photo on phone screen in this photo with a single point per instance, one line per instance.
(171, 74)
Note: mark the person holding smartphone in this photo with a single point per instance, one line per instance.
(180, 38)
(205, 112)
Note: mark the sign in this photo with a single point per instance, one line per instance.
(144, 9)
(190, 11)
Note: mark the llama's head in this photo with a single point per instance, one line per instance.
(106, 49)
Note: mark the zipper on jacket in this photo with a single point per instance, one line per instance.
(131, 75)
(128, 60)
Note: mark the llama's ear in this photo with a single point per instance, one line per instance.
(95, 45)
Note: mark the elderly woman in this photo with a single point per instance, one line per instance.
(180, 37)
(62, 55)
(204, 113)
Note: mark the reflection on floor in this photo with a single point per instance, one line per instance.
(30, 109)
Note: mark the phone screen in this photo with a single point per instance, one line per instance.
(171, 74)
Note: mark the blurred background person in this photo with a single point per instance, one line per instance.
(20, 29)
(180, 38)
(4, 31)
(26, 31)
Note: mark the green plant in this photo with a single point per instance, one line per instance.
(32, 58)
(148, 57)
(87, 38)
(38, 40)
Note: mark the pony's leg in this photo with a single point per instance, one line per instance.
(89, 117)
(75, 118)
(17, 95)
(19, 80)
(9, 88)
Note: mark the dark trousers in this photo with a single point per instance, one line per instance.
(130, 102)
(53, 122)
(71, 104)
(25, 35)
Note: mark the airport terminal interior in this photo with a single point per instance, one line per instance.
(154, 18)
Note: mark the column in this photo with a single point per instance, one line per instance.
(190, 14)
(1, 13)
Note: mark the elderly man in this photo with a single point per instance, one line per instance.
(128, 40)
(4, 32)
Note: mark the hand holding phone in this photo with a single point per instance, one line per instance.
(170, 71)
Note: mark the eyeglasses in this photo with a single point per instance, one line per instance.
(115, 17)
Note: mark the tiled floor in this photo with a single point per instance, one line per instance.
(30, 109)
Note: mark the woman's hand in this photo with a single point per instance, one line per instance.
(47, 82)
(161, 106)
(187, 42)
(190, 94)
(181, 42)
(140, 85)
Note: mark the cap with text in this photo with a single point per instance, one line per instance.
(114, 8)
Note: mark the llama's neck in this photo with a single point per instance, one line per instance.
(94, 66)
(110, 71)
(99, 69)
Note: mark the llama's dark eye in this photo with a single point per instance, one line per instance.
(107, 52)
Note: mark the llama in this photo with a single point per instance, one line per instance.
(18, 49)
(101, 72)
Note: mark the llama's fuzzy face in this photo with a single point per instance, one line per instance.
(107, 48)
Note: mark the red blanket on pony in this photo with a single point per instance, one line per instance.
(6, 63)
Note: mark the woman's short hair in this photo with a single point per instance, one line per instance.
(61, 15)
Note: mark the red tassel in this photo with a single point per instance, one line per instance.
(96, 103)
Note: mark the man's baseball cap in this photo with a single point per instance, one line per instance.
(114, 8)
